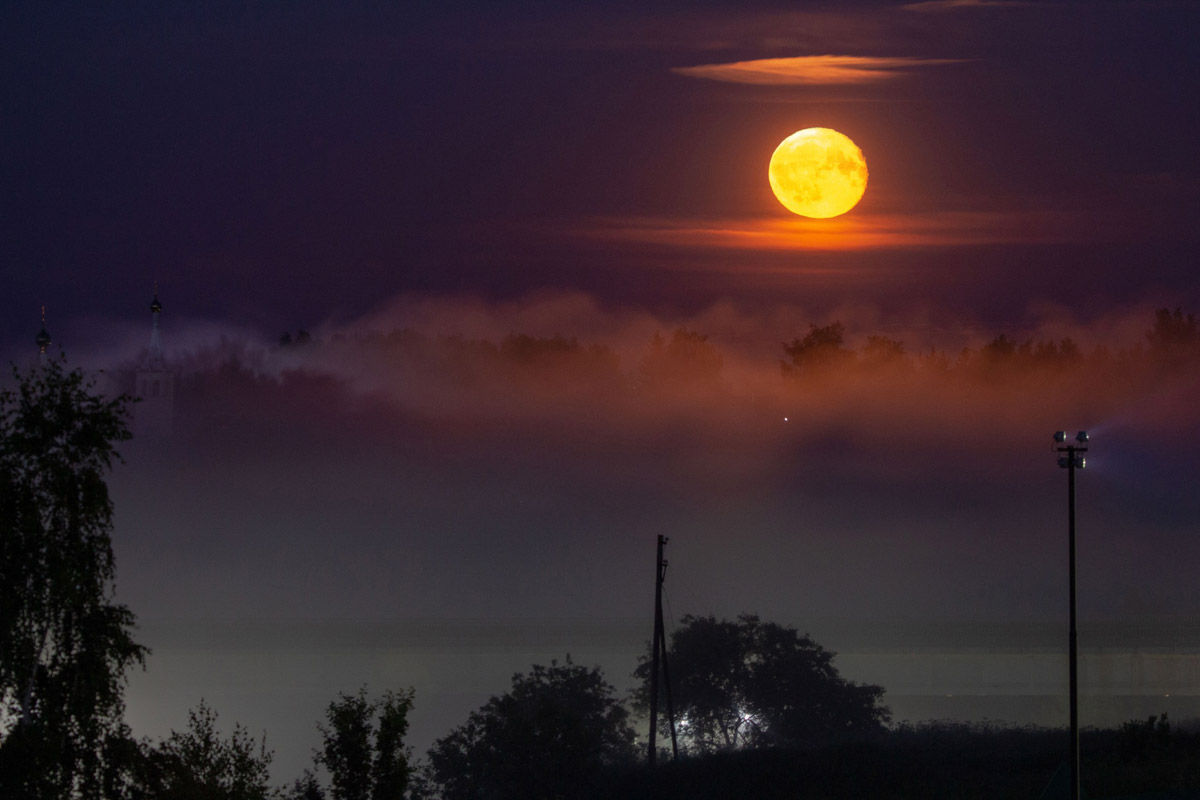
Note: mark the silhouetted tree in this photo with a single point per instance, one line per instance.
(820, 348)
(1064, 353)
(306, 787)
(880, 351)
(748, 683)
(686, 360)
(562, 359)
(552, 733)
(364, 748)
(1174, 335)
(64, 644)
(525, 349)
(998, 350)
(391, 769)
(1142, 739)
(934, 362)
(199, 763)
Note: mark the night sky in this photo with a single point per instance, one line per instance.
(277, 169)
(600, 173)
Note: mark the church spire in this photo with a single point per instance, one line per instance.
(154, 357)
(155, 382)
(43, 339)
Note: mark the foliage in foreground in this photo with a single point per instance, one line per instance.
(200, 763)
(556, 730)
(65, 646)
(362, 749)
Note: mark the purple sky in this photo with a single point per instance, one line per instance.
(280, 168)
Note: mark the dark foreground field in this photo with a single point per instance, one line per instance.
(1146, 759)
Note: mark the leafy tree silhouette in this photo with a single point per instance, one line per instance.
(552, 733)
(1174, 336)
(748, 683)
(363, 748)
(820, 349)
(881, 352)
(199, 763)
(64, 644)
(686, 361)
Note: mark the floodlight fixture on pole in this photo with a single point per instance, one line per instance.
(1070, 458)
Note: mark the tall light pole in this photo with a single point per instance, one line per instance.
(1071, 458)
(659, 656)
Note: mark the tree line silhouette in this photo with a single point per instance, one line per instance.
(690, 360)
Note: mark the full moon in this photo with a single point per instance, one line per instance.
(818, 172)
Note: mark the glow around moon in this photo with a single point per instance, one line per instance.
(818, 172)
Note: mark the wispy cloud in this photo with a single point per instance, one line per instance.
(851, 232)
(927, 6)
(810, 70)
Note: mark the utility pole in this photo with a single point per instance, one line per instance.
(1070, 460)
(658, 655)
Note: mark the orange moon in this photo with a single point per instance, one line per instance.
(818, 172)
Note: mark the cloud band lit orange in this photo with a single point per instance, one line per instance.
(810, 70)
(863, 232)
